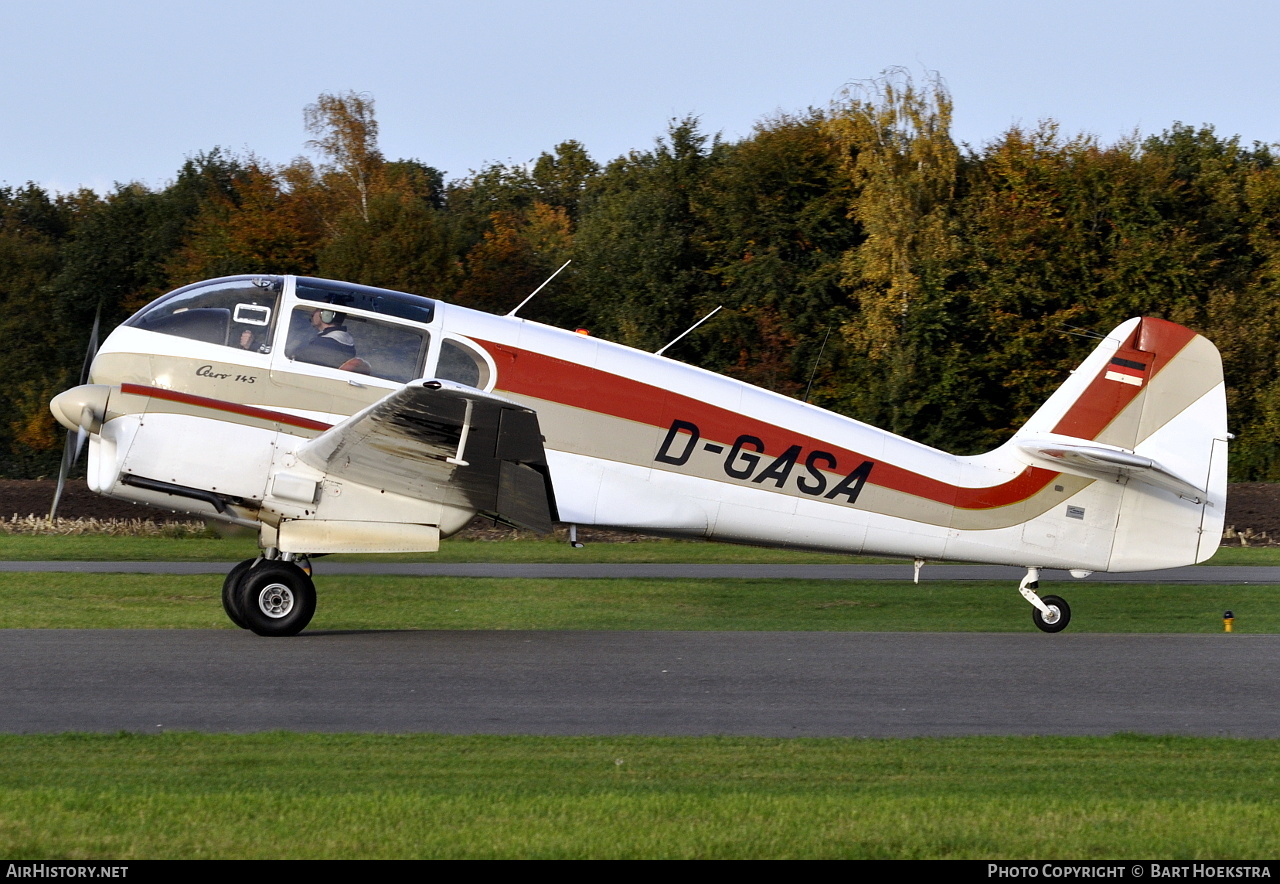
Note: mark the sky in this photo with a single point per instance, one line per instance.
(96, 93)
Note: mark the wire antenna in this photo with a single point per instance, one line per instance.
(816, 360)
(539, 288)
(1082, 333)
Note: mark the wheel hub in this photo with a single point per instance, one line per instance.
(275, 600)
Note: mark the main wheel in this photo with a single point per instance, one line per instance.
(277, 598)
(1058, 617)
(231, 594)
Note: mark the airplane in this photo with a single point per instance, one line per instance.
(333, 417)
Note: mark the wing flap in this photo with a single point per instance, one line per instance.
(443, 442)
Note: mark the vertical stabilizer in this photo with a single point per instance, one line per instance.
(1144, 417)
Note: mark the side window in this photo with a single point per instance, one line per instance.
(233, 313)
(461, 363)
(321, 336)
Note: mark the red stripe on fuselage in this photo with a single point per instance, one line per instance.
(264, 414)
(528, 373)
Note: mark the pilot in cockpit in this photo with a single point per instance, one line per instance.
(332, 345)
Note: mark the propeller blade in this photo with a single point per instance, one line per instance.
(68, 457)
(76, 438)
(93, 346)
(81, 435)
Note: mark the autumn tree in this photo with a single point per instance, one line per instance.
(344, 132)
(33, 228)
(641, 263)
(405, 242)
(1064, 237)
(516, 255)
(266, 223)
(775, 209)
(902, 164)
(563, 176)
(1242, 317)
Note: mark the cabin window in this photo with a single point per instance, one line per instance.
(319, 335)
(236, 313)
(461, 363)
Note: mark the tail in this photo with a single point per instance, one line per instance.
(1144, 418)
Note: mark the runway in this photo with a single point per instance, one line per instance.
(653, 683)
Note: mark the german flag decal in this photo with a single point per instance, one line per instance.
(1126, 371)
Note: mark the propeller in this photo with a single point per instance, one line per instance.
(84, 416)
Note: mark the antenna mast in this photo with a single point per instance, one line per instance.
(689, 329)
(540, 288)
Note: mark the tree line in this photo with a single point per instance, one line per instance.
(865, 261)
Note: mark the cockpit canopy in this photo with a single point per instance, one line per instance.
(230, 312)
(360, 329)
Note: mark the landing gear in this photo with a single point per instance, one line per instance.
(276, 598)
(231, 592)
(1050, 613)
(1057, 617)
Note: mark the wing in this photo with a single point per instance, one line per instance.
(441, 441)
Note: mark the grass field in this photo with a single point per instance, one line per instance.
(141, 601)
(136, 601)
(322, 796)
(237, 546)
(285, 795)
(89, 547)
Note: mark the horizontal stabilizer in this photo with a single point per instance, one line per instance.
(1083, 458)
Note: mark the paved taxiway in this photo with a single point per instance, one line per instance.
(680, 683)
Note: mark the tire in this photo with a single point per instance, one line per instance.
(277, 598)
(231, 595)
(1061, 615)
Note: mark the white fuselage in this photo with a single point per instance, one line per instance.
(643, 442)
